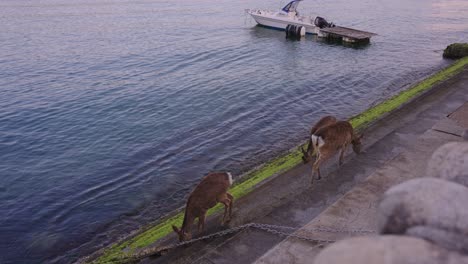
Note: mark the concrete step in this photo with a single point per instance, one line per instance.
(357, 209)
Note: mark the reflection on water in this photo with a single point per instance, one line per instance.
(113, 110)
(448, 16)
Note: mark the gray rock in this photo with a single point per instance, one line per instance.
(443, 238)
(387, 250)
(450, 162)
(433, 203)
(465, 134)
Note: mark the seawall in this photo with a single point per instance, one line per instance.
(148, 235)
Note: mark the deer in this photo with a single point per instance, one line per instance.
(328, 140)
(211, 190)
(310, 152)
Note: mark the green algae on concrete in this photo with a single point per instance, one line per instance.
(117, 252)
(398, 100)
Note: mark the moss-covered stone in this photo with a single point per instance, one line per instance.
(456, 51)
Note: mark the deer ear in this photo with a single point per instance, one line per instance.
(176, 229)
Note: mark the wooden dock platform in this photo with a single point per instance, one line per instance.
(346, 34)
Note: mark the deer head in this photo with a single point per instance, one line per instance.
(305, 155)
(183, 236)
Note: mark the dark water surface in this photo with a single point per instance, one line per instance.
(110, 111)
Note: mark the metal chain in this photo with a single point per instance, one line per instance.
(298, 236)
(161, 250)
(265, 227)
(217, 234)
(321, 229)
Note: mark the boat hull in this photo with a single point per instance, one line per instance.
(282, 23)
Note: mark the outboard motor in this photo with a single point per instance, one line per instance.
(322, 23)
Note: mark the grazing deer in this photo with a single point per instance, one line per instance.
(329, 139)
(311, 151)
(211, 190)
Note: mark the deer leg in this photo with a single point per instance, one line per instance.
(316, 167)
(201, 223)
(343, 150)
(224, 199)
(324, 155)
(312, 172)
(230, 204)
(226, 203)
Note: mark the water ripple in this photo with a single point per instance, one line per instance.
(113, 110)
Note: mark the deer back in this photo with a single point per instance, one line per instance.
(205, 194)
(323, 122)
(335, 135)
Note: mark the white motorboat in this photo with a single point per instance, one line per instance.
(288, 15)
(296, 25)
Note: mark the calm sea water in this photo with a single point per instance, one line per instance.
(110, 111)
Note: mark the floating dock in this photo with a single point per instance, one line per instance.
(346, 34)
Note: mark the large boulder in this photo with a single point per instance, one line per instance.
(426, 204)
(387, 250)
(450, 162)
(447, 239)
(456, 51)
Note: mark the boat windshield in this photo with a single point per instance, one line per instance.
(291, 6)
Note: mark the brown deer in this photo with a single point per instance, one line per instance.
(310, 152)
(329, 139)
(211, 190)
